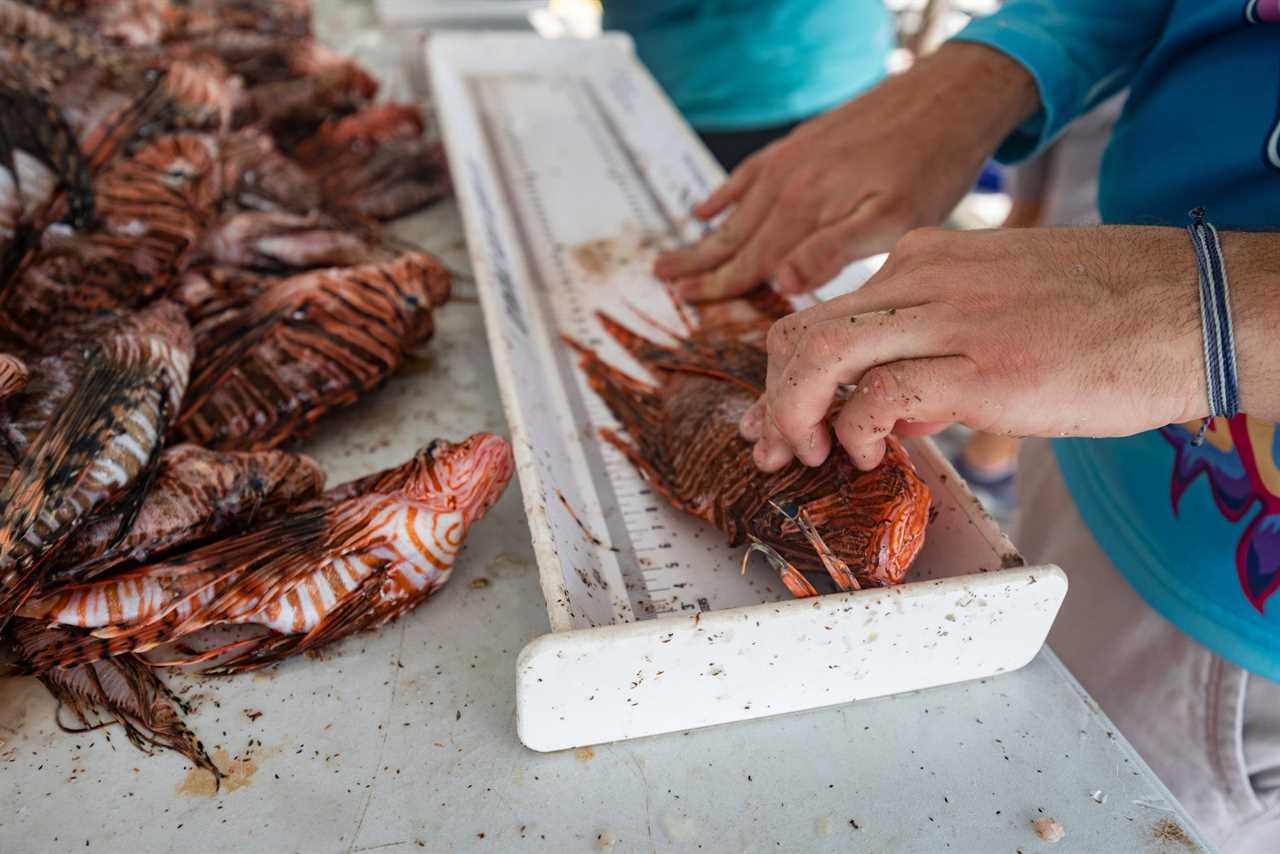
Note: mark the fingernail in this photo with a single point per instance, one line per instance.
(787, 281)
(759, 454)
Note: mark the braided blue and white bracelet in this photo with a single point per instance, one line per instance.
(1215, 320)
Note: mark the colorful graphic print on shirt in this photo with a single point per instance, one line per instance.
(1238, 457)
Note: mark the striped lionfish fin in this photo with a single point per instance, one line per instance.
(122, 690)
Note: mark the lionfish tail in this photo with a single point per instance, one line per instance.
(122, 690)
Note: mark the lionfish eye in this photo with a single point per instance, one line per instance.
(788, 508)
(433, 448)
(412, 300)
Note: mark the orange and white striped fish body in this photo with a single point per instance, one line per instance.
(97, 445)
(128, 600)
(203, 91)
(410, 547)
(413, 552)
(151, 210)
(195, 494)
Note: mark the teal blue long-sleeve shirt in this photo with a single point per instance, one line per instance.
(732, 65)
(1194, 529)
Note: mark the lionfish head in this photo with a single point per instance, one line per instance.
(422, 278)
(468, 476)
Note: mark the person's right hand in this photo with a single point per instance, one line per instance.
(851, 182)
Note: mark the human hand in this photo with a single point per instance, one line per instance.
(1049, 332)
(849, 183)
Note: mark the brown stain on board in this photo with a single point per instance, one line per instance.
(584, 754)
(237, 773)
(1169, 831)
(596, 257)
(599, 258)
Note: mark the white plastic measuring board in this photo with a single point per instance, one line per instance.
(572, 169)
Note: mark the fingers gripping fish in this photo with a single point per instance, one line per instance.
(862, 528)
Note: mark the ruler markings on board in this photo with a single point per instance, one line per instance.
(559, 294)
(605, 176)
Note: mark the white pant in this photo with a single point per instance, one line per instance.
(1209, 729)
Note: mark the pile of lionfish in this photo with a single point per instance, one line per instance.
(192, 273)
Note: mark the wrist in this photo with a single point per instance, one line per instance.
(978, 91)
(1252, 262)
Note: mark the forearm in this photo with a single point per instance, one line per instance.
(979, 93)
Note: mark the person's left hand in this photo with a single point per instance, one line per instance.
(1051, 332)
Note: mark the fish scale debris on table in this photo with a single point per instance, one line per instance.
(681, 433)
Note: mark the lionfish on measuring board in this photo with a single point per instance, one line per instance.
(681, 433)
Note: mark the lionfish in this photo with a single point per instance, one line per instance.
(306, 345)
(196, 494)
(38, 156)
(280, 241)
(368, 553)
(377, 161)
(681, 433)
(152, 209)
(123, 690)
(97, 447)
(38, 151)
(257, 176)
(213, 295)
